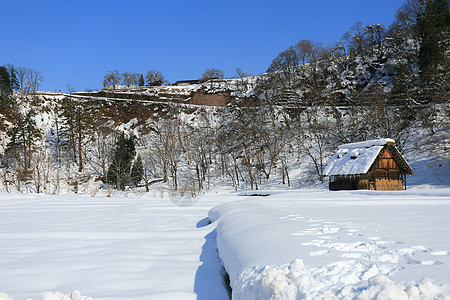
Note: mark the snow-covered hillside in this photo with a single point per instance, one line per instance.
(242, 147)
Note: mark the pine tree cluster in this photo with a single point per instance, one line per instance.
(123, 169)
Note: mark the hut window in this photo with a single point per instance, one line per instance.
(394, 174)
(380, 174)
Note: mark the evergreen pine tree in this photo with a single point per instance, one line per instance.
(23, 136)
(13, 80)
(434, 32)
(119, 170)
(76, 126)
(137, 171)
(8, 83)
(141, 80)
(5, 84)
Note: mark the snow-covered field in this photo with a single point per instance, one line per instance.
(287, 245)
(107, 248)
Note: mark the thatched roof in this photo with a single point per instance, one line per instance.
(358, 158)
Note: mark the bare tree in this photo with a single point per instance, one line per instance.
(102, 148)
(41, 169)
(285, 61)
(305, 50)
(354, 39)
(167, 148)
(34, 79)
(199, 142)
(129, 78)
(154, 78)
(111, 79)
(316, 138)
(212, 74)
(22, 77)
(241, 74)
(29, 80)
(6, 180)
(409, 13)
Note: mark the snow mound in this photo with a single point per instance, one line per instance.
(3, 296)
(294, 281)
(75, 295)
(382, 288)
(272, 282)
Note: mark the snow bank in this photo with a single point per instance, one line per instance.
(3, 296)
(294, 281)
(76, 295)
(346, 245)
(382, 288)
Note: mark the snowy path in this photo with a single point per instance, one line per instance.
(107, 248)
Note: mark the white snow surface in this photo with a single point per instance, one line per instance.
(287, 245)
(355, 158)
(337, 245)
(352, 161)
(124, 247)
(367, 144)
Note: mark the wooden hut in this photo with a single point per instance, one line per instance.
(371, 165)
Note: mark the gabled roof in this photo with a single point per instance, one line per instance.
(357, 158)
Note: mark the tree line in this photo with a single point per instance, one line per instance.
(153, 78)
(21, 79)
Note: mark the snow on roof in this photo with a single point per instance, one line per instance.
(355, 158)
(367, 144)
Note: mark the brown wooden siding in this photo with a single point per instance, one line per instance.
(387, 167)
(348, 182)
(387, 161)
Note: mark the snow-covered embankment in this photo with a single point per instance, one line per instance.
(384, 245)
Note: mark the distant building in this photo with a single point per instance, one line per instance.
(189, 82)
(370, 165)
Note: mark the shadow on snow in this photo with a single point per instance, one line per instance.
(211, 279)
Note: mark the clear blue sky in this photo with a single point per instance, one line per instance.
(77, 42)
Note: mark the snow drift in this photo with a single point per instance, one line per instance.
(346, 245)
